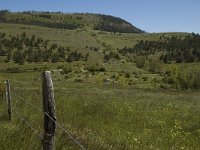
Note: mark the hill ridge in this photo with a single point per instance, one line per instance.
(70, 21)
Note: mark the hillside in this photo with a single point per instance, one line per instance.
(113, 90)
(70, 21)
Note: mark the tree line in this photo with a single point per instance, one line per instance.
(115, 24)
(43, 19)
(174, 49)
(22, 48)
(69, 21)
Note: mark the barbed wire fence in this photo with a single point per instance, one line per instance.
(50, 121)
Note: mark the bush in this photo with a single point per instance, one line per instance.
(102, 69)
(182, 79)
(67, 76)
(170, 78)
(140, 61)
(95, 67)
(92, 68)
(145, 78)
(123, 61)
(154, 66)
(189, 79)
(127, 75)
(67, 69)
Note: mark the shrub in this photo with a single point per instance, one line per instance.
(189, 79)
(182, 79)
(102, 69)
(67, 76)
(170, 77)
(140, 61)
(127, 75)
(95, 67)
(154, 66)
(66, 69)
(144, 78)
(123, 61)
(92, 68)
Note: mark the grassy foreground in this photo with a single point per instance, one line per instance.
(103, 116)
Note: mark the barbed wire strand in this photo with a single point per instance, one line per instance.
(23, 119)
(60, 126)
(68, 133)
(29, 103)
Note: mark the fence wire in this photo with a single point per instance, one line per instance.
(24, 120)
(58, 124)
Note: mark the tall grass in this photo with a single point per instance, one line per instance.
(104, 117)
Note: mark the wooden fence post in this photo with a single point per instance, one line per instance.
(8, 98)
(49, 111)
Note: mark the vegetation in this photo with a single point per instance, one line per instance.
(104, 117)
(69, 21)
(112, 90)
(21, 48)
(177, 78)
(114, 24)
(174, 48)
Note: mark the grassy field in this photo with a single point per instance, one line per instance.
(103, 116)
(78, 39)
(130, 112)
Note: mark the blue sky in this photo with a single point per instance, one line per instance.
(149, 15)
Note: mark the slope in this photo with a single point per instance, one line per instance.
(70, 21)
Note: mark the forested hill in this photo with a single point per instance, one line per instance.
(69, 21)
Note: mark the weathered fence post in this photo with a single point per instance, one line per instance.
(49, 111)
(8, 98)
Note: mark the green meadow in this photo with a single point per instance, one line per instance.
(102, 116)
(130, 111)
